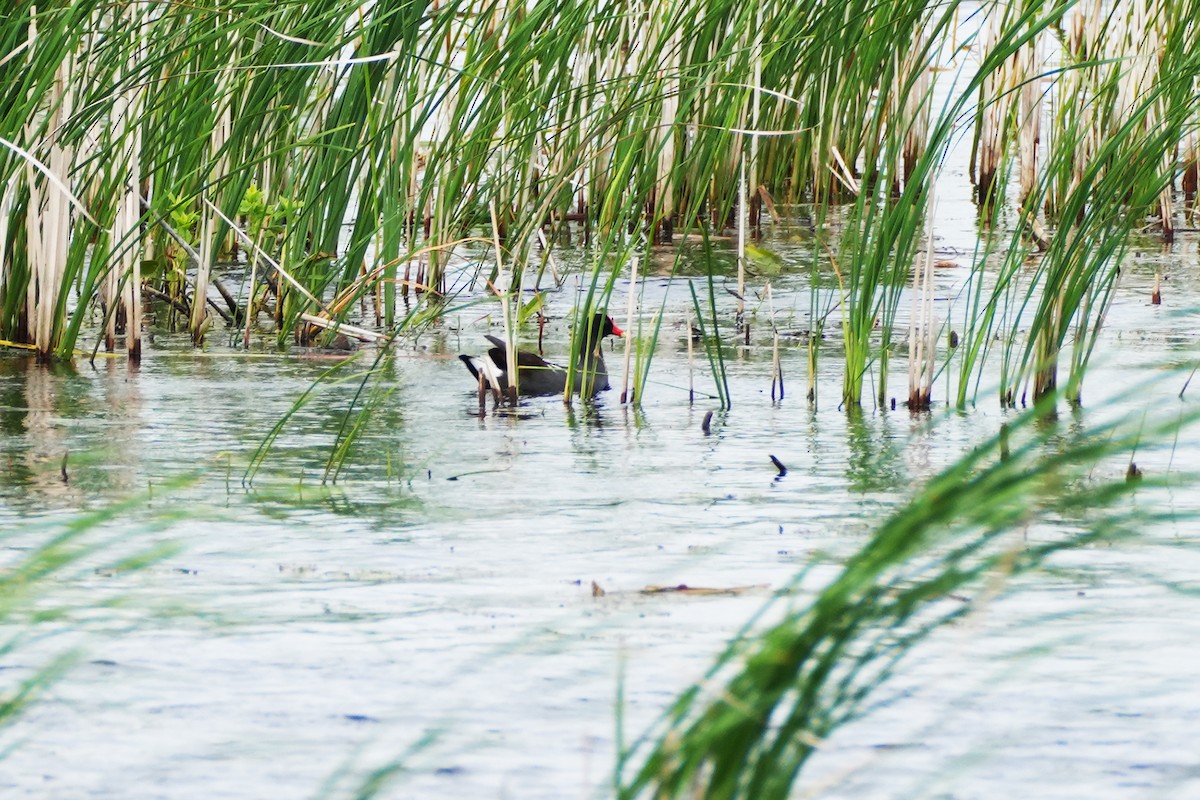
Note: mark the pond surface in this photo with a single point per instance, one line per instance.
(436, 605)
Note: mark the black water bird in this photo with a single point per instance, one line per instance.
(537, 376)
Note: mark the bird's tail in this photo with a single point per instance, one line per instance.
(471, 362)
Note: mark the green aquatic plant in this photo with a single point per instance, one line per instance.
(761, 711)
(368, 147)
(44, 555)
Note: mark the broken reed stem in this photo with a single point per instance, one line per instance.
(352, 331)
(245, 237)
(626, 397)
(922, 342)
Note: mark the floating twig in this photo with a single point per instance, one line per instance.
(683, 588)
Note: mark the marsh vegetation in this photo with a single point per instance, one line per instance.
(859, 221)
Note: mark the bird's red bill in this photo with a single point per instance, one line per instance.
(617, 331)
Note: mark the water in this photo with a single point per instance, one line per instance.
(443, 588)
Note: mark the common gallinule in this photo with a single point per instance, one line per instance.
(538, 376)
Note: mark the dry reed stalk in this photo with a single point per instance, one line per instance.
(608, 74)
(7, 200)
(1190, 156)
(218, 139)
(580, 71)
(631, 309)
(1075, 99)
(252, 266)
(663, 140)
(922, 336)
(1027, 66)
(993, 109)
(412, 187)
(1141, 43)
(440, 204)
(503, 289)
(914, 115)
(127, 111)
(743, 221)
(504, 194)
(47, 218)
(755, 113)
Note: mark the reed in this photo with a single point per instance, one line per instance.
(381, 136)
(1119, 171)
(759, 714)
(406, 123)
